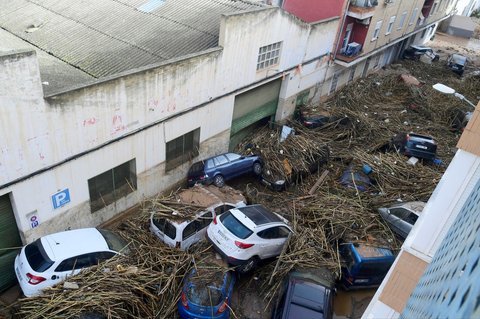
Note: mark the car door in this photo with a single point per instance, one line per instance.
(238, 163)
(272, 241)
(72, 266)
(222, 166)
(396, 220)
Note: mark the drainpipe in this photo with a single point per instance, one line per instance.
(339, 35)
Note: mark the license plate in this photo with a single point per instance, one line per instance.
(421, 146)
(222, 235)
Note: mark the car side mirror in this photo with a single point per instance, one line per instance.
(54, 277)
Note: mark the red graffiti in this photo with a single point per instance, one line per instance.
(90, 121)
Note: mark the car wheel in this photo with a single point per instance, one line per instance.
(257, 168)
(250, 265)
(436, 58)
(219, 181)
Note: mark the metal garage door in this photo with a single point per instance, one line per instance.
(252, 107)
(9, 238)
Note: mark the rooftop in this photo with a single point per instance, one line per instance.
(92, 39)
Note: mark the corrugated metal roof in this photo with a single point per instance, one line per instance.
(105, 37)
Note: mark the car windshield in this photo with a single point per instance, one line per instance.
(114, 242)
(37, 257)
(204, 295)
(235, 226)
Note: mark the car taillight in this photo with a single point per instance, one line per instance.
(242, 245)
(34, 280)
(215, 220)
(184, 300)
(223, 307)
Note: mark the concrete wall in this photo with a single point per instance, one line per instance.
(59, 143)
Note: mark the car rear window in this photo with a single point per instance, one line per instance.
(235, 226)
(114, 242)
(204, 295)
(37, 257)
(196, 168)
(165, 227)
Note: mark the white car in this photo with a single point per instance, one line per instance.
(188, 226)
(50, 259)
(246, 235)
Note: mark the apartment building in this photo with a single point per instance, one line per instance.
(374, 33)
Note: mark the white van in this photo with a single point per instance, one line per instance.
(183, 220)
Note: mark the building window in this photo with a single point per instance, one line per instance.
(402, 20)
(352, 74)
(434, 8)
(182, 149)
(377, 30)
(376, 61)
(268, 55)
(424, 32)
(414, 15)
(333, 86)
(390, 25)
(112, 185)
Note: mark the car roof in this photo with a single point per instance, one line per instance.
(259, 215)
(458, 58)
(416, 206)
(62, 245)
(367, 251)
(306, 299)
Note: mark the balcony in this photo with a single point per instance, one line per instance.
(362, 9)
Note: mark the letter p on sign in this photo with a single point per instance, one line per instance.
(61, 198)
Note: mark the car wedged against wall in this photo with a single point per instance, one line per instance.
(220, 168)
(51, 259)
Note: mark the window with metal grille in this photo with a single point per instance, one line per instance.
(378, 25)
(390, 24)
(112, 185)
(402, 20)
(182, 149)
(352, 74)
(333, 87)
(268, 55)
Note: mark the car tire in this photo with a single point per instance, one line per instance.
(247, 267)
(436, 58)
(257, 168)
(219, 181)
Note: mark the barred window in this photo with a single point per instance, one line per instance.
(112, 185)
(182, 149)
(268, 55)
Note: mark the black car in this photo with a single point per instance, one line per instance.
(420, 146)
(414, 52)
(456, 63)
(306, 294)
(219, 168)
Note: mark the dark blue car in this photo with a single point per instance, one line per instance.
(206, 294)
(219, 168)
(306, 294)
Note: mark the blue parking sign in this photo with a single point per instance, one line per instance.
(61, 198)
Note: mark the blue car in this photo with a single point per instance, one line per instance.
(364, 266)
(206, 294)
(220, 168)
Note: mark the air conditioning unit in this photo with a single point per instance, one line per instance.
(353, 49)
(364, 3)
(364, 21)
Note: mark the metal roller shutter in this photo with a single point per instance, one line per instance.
(9, 238)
